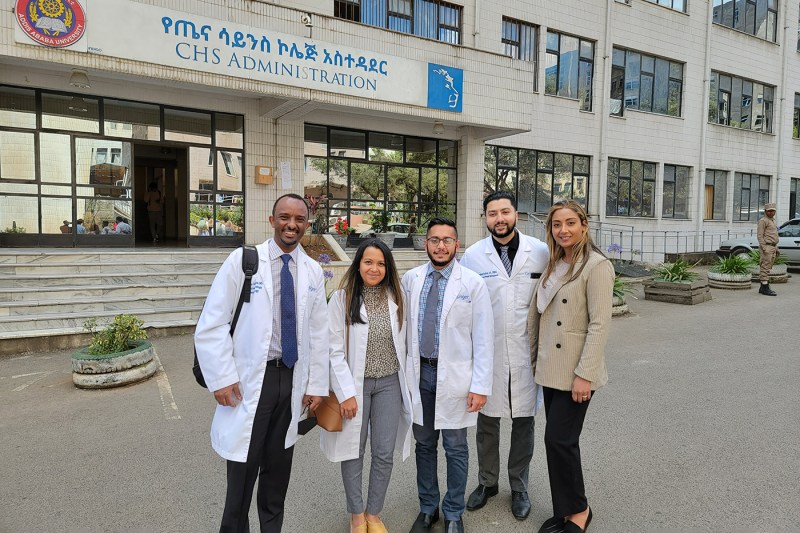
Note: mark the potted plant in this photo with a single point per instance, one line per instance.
(118, 355)
(677, 283)
(620, 289)
(731, 272)
(342, 231)
(418, 233)
(777, 274)
(380, 221)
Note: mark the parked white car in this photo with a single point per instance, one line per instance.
(788, 245)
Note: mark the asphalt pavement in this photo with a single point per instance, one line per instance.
(697, 430)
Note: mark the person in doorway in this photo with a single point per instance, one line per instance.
(106, 230)
(79, 227)
(123, 228)
(509, 262)
(274, 365)
(450, 330)
(570, 315)
(768, 247)
(155, 202)
(368, 368)
(65, 227)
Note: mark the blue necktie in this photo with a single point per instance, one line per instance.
(288, 315)
(427, 343)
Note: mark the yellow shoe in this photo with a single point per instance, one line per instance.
(361, 528)
(376, 527)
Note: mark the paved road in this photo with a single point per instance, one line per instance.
(697, 430)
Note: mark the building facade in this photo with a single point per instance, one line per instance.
(668, 116)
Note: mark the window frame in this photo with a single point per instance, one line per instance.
(716, 176)
(444, 13)
(582, 64)
(629, 179)
(723, 91)
(627, 55)
(674, 194)
(751, 8)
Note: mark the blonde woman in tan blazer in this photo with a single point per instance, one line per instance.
(568, 325)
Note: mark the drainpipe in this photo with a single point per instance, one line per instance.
(701, 162)
(605, 96)
(477, 29)
(782, 104)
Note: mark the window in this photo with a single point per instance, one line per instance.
(715, 190)
(740, 103)
(796, 121)
(750, 193)
(631, 188)
(645, 82)
(677, 5)
(676, 192)
(794, 208)
(568, 68)
(432, 19)
(756, 17)
(519, 40)
(536, 178)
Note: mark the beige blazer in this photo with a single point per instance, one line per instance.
(569, 337)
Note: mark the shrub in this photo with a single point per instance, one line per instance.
(622, 287)
(677, 272)
(755, 258)
(118, 336)
(733, 264)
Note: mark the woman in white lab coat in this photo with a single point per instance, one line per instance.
(368, 362)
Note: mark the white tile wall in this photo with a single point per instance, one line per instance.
(498, 95)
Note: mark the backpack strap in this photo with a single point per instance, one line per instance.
(249, 267)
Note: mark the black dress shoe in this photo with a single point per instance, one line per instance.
(480, 496)
(520, 504)
(424, 522)
(554, 524)
(454, 526)
(572, 527)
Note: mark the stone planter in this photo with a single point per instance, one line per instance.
(340, 239)
(777, 274)
(719, 280)
(679, 293)
(387, 238)
(113, 370)
(618, 306)
(418, 240)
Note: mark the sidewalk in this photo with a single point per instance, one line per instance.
(697, 429)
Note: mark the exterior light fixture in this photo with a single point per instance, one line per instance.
(438, 127)
(79, 79)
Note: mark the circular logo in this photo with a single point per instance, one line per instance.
(54, 23)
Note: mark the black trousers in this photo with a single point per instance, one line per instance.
(267, 460)
(561, 440)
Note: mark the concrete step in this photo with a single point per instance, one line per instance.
(104, 306)
(84, 267)
(124, 256)
(16, 324)
(46, 282)
(76, 330)
(34, 295)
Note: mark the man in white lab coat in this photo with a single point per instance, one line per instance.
(450, 331)
(273, 367)
(510, 263)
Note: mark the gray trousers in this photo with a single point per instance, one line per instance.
(519, 456)
(381, 416)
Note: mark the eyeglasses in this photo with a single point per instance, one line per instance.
(448, 241)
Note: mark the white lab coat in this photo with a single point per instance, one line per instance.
(347, 379)
(243, 359)
(511, 298)
(465, 345)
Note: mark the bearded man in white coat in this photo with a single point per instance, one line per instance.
(510, 263)
(273, 367)
(450, 346)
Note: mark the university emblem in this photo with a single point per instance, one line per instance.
(54, 23)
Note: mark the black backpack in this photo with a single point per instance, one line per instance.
(249, 267)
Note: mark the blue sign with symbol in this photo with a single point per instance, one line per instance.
(445, 87)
